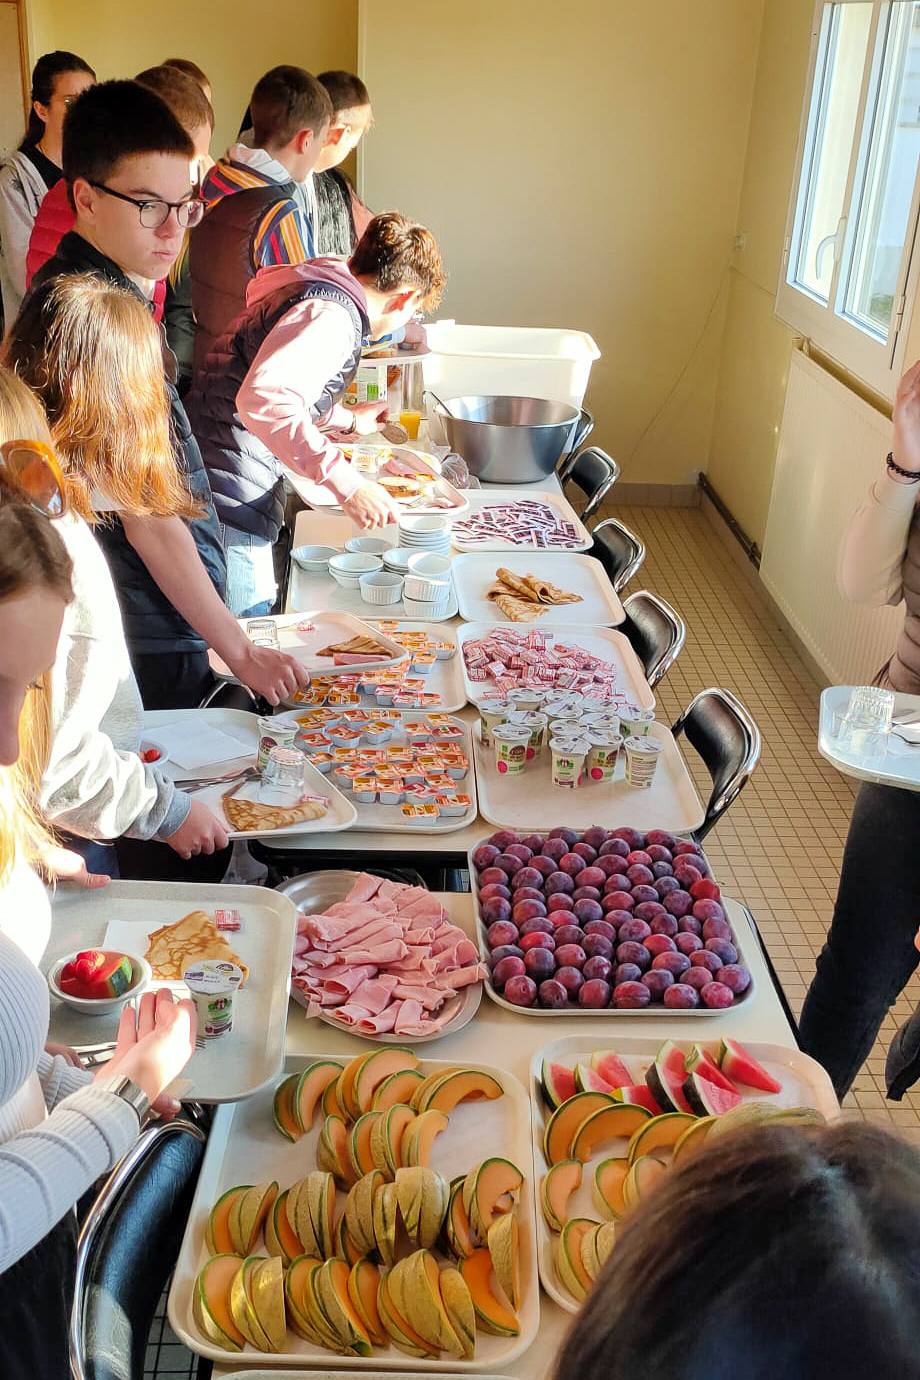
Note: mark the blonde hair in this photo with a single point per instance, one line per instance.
(93, 357)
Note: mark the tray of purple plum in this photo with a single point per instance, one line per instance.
(601, 921)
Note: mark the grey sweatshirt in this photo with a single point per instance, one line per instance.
(95, 785)
(22, 191)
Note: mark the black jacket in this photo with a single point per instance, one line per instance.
(151, 623)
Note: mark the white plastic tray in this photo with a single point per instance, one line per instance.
(445, 679)
(805, 1084)
(475, 573)
(244, 726)
(900, 766)
(379, 818)
(313, 892)
(612, 646)
(644, 1013)
(309, 591)
(498, 498)
(225, 1069)
(244, 1147)
(330, 624)
(526, 802)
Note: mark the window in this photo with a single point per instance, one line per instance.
(849, 268)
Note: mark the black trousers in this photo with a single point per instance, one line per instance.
(172, 680)
(36, 1295)
(869, 954)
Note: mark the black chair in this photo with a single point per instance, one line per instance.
(619, 551)
(127, 1248)
(580, 433)
(727, 739)
(655, 631)
(231, 694)
(594, 472)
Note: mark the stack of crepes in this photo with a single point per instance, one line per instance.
(386, 959)
(522, 598)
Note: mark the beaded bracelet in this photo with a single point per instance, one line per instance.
(896, 469)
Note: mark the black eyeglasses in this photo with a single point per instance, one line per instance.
(153, 214)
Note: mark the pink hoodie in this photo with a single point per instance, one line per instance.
(302, 352)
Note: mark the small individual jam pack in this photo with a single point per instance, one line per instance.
(227, 920)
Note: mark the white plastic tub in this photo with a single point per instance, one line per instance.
(521, 361)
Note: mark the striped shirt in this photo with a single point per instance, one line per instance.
(284, 235)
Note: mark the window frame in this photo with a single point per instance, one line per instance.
(875, 363)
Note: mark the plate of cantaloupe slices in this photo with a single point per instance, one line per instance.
(611, 1122)
(381, 1209)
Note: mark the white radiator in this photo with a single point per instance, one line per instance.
(831, 448)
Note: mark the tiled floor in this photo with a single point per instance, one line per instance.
(779, 847)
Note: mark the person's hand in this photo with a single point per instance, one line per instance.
(415, 332)
(906, 421)
(371, 506)
(63, 865)
(368, 416)
(202, 832)
(273, 675)
(153, 1047)
(70, 1056)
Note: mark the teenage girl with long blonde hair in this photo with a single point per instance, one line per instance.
(59, 1128)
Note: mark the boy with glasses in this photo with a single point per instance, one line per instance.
(127, 162)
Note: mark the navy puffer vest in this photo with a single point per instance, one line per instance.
(245, 477)
(221, 260)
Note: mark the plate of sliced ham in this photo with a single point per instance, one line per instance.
(381, 958)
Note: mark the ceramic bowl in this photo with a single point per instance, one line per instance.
(348, 567)
(100, 1006)
(381, 587)
(314, 559)
(425, 609)
(367, 546)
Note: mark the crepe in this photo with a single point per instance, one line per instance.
(522, 598)
(251, 816)
(174, 948)
(358, 645)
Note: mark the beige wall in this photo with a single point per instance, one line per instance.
(581, 164)
(233, 40)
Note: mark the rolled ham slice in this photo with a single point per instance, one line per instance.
(385, 952)
(379, 1025)
(364, 887)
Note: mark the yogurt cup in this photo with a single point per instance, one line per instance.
(564, 726)
(275, 732)
(642, 756)
(603, 718)
(536, 722)
(510, 742)
(568, 761)
(604, 754)
(635, 723)
(213, 984)
(526, 699)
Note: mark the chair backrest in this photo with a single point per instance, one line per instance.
(127, 1248)
(230, 694)
(581, 431)
(728, 740)
(619, 550)
(656, 632)
(594, 472)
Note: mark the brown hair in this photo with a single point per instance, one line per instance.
(116, 120)
(45, 73)
(181, 93)
(396, 253)
(99, 372)
(32, 555)
(776, 1251)
(285, 101)
(191, 69)
(345, 91)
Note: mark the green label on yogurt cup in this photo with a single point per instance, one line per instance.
(604, 755)
(213, 984)
(510, 742)
(568, 761)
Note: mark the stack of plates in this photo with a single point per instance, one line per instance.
(425, 534)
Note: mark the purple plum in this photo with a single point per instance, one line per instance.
(688, 924)
(617, 848)
(555, 849)
(697, 977)
(639, 855)
(526, 876)
(594, 994)
(495, 910)
(663, 869)
(705, 958)
(662, 838)
(586, 911)
(672, 963)
(487, 892)
(636, 929)
(631, 996)
(568, 836)
(597, 967)
(520, 850)
(540, 963)
(505, 951)
(637, 875)
(595, 945)
(647, 910)
(552, 994)
(722, 948)
(678, 903)
(687, 846)
(657, 980)
(534, 842)
(585, 851)
(626, 972)
(716, 995)
(586, 893)
(645, 895)
(660, 944)
(543, 865)
(681, 996)
(663, 924)
(717, 929)
(631, 952)
(570, 978)
(484, 856)
(529, 893)
(493, 874)
(705, 909)
(537, 939)
(572, 863)
(507, 968)
(533, 924)
(601, 927)
(521, 990)
(592, 876)
(688, 943)
(559, 881)
(666, 884)
(526, 911)
(596, 836)
(658, 853)
(570, 956)
(503, 838)
(560, 900)
(630, 836)
(620, 899)
(734, 976)
(612, 865)
(568, 934)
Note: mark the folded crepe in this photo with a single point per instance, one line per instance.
(361, 643)
(251, 816)
(522, 598)
(174, 948)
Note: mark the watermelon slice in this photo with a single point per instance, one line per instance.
(735, 1061)
(666, 1078)
(640, 1095)
(586, 1080)
(701, 1061)
(706, 1099)
(558, 1083)
(611, 1068)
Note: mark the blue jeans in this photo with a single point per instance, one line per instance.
(251, 587)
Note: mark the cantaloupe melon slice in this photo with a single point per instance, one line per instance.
(419, 1137)
(386, 1137)
(503, 1243)
(401, 1334)
(280, 1237)
(396, 1090)
(363, 1288)
(565, 1121)
(609, 1123)
(345, 1247)
(644, 1174)
(301, 1317)
(460, 1235)
(265, 1286)
(483, 1186)
(569, 1265)
(211, 1302)
(607, 1189)
(311, 1085)
(283, 1108)
(465, 1085)
(329, 1102)
(492, 1315)
(359, 1144)
(359, 1210)
(331, 1284)
(253, 1210)
(428, 1083)
(425, 1308)
(345, 1090)
(556, 1188)
(606, 1236)
(382, 1064)
(459, 1308)
(319, 1190)
(693, 1138)
(385, 1212)
(312, 1302)
(217, 1236)
(332, 1151)
(659, 1133)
